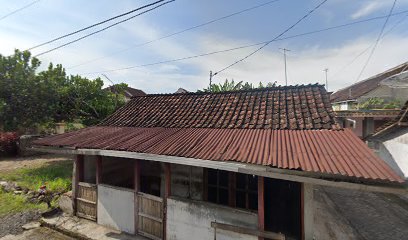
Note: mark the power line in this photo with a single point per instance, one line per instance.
(368, 48)
(267, 43)
(245, 46)
(94, 25)
(103, 29)
(19, 9)
(377, 40)
(178, 32)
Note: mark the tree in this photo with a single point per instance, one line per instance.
(17, 91)
(28, 99)
(228, 86)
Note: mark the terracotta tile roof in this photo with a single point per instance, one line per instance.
(361, 88)
(338, 153)
(292, 107)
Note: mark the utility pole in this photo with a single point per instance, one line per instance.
(327, 84)
(284, 57)
(211, 76)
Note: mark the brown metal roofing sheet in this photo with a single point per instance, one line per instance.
(320, 151)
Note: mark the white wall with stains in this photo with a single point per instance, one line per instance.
(188, 219)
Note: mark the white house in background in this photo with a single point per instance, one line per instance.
(391, 142)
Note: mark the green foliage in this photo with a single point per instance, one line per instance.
(379, 103)
(57, 175)
(10, 203)
(28, 100)
(228, 86)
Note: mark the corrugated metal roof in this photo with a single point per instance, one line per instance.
(289, 107)
(321, 151)
(359, 89)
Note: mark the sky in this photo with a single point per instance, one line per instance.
(343, 51)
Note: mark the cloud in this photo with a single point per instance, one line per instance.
(368, 8)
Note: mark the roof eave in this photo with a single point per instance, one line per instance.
(259, 170)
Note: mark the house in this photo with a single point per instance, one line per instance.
(370, 103)
(391, 142)
(229, 165)
(129, 92)
(181, 90)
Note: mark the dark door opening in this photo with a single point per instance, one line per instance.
(282, 207)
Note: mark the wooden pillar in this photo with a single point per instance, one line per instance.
(136, 184)
(167, 173)
(231, 189)
(167, 193)
(78, 176)
(98, 169)
(261, 204)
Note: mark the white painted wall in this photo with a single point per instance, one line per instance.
(192, 220)
(116, 208)
(394, 151)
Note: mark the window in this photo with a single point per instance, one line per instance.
(246, 193)
(217, 187)
(233, 189)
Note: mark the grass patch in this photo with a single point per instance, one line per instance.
(57, 175)
(10, 203)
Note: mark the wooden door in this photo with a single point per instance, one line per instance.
(86, 201)
(150, 216)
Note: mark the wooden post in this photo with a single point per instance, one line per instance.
(231, 189)
(167, 173)
(261, 204)
(167, 193)
(98, 170)
(137, 189)
(78, 176)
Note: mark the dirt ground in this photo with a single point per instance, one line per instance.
(11, 224)
(11, 163)
(38, 234)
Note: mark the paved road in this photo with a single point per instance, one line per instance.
(349, 214)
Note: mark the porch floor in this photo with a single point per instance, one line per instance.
(85, 229)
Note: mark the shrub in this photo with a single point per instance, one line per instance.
(8, 143)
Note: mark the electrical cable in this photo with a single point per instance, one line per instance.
(247, 46)
(175, 33)
(376, 42)
(19, 9)
(267, 43)
(103, 29)
(93, 25)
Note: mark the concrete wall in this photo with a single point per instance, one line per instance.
(188, 219)
(187, 182)
(394, 151)
(116, 208)
(308, 214)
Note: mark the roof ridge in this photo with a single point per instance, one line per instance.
(372, 77)
(280, 87)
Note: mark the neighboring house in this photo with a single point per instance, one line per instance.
(390, 86)
(229, 165)
(129, 92)
(391, 142)
(181, 90)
